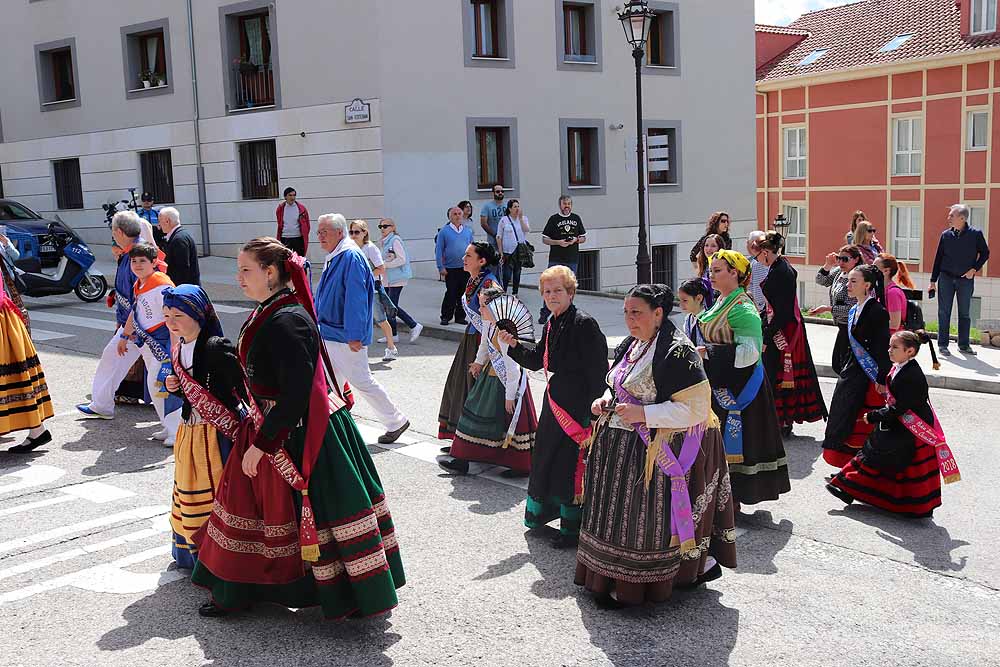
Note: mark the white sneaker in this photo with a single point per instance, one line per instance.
(415, 332)
(390, 354)
(169, 443)
(161, 435)
(395, 339)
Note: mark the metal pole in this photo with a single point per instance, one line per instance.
(643, 264)
(206, 244)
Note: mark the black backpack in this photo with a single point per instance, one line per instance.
(914, 313)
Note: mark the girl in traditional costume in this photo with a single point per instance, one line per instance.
(692, 295)
(24, 394)
(498, 422)
(300, 517)
(898, 468)
(208, 378)
(787, 357)
(711, 244)
(741, 396)
(861, 384)
(658, 513)
(574, 351)
(479, 257)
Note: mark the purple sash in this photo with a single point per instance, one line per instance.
(675, 469)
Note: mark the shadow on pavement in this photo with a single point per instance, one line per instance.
(763, 541)
(802, 452)
(267, 635)
(486, 498)
(123, 447)
(930, 544)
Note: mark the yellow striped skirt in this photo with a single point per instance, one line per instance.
(198, 463)
(24, 394)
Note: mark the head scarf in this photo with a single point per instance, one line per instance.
(733, 259)
(194, 301)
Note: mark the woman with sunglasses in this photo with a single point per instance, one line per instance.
(864, 239)
(718, 223)
(397, 266)
(359, 234)
(833, 275)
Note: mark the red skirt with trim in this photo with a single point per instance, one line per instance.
(841, 456)
(915, 490)
(802, 402)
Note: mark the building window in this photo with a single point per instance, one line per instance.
(250, 52)
(146, 55)
(578, 35)
(58, 79)
(588, 270)
(977, 217)
(795, 239)
(488, 26)
(69, 188)
(492, 149)
(661, 155)
(259, 169)
(984, 16)
(906, 224)
(907, 142)
(665, 265)
(157, 175)
(979, 127)
(795, 152)
(581, 144)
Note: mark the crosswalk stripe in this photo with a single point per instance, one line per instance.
(83, 322)
(39, 335)
(62, 531)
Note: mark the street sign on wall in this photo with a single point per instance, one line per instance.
(358, 111)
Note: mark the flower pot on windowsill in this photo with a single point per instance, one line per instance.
(146, 83)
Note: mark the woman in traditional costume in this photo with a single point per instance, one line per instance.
(787, 357)
(898, 469)
(206, 374)
(574, 351)
(861, 384)
(479, 257)
(8, 255)
(741, 396)
(498, 422)
(692, 295)
(300, 517)
(658, 513)
(24, 394)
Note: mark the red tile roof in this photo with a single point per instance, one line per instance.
(780, 30)
(854, 33)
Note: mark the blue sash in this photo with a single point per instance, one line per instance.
(158, 343)
(732, 433)
(865, 360)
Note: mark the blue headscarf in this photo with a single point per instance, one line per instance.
(194, 301)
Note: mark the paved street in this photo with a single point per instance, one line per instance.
(86, 576)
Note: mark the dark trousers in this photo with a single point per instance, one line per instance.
(454, 286)
(511, 273)
(394, 293)
(947, 289)
(544, 315)
(296, 243)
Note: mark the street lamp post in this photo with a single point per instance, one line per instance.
(781, 226)
(636, 18)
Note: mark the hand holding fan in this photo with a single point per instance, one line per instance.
(513, 317)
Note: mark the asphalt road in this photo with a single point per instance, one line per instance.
(86, 576)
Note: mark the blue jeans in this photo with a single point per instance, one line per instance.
(511, 276)
(394, 293)
(544, 314)
(948, 288)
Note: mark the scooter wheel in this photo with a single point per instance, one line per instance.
(91, 288)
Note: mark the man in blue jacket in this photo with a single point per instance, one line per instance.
(344, 303)
(961, 253)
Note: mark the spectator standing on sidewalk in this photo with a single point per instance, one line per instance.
(467, 212)
(564, 233)
(293, 223)
(344, 301)
(490, 214)
(449, 253)
(151, 215)
(181, 253)
(511, 232)
(961, 253)
(758, 270)
(397, 266)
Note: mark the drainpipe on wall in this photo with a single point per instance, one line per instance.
(206, 245)
(767, 195)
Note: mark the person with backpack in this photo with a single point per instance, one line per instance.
(896, 274)
(512, 231)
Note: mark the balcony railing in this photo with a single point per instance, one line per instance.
(253, 86)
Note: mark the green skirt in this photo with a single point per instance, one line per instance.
(360, 567)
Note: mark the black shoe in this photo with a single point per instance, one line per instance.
(786, 431)
(563, 541)
(837, 493)
(462, 322)
(392, 436)
(453, 465)
(445, 322)
(711, 574)
(446, 449)
(513, 474)
(605, 601)
(210, 610)
(30, 444)
(925, 515)
(944, 352)
(968, 351)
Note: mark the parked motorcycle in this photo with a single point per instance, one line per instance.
(74, 273)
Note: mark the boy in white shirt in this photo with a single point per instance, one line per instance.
(146, 329)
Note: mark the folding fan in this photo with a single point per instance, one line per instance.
(513, 317)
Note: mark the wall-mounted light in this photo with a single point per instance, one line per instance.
(616, 126)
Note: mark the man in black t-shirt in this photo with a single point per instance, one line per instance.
(563, 233)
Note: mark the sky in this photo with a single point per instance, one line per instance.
(783, 12)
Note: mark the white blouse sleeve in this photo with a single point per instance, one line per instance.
(513, 380)
(686, 408)
(482, 353)
(747, 352)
